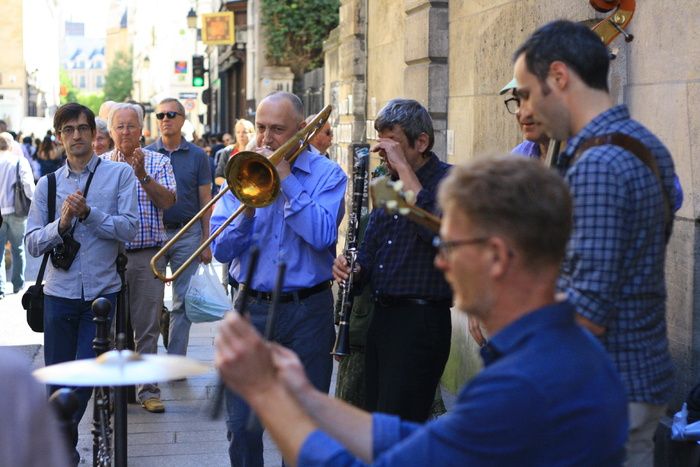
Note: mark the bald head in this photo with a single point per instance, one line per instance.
(105, 108)
(296, 110)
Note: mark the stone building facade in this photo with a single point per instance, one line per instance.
(454, 57)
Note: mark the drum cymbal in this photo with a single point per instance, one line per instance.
(120, 368)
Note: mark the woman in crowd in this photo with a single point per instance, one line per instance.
(102, 142)
(48, 156)
(244, 132)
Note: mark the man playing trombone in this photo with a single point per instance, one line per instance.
(300, 228)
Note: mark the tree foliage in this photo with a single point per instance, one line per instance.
(119, 81)
(71, 95)
(295, 31)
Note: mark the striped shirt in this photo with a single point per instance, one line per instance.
(398, 253)
(613, 271)
(151, 230)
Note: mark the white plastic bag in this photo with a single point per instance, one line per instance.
(681, 430)
(206, 299)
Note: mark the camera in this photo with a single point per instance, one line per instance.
(64, 254)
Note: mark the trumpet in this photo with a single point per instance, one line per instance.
(253, 180)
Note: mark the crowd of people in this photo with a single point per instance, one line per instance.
(560, 272)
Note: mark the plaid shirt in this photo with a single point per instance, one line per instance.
(613, 272)
(151, 230)
(398, 253)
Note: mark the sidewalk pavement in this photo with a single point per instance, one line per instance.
(183, 436)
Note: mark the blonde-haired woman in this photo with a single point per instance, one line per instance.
(244, 133)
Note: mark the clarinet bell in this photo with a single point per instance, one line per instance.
(342, 340)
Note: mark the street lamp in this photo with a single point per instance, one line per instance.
(192, 19)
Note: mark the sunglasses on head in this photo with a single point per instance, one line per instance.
(170, 115)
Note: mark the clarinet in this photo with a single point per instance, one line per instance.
(359, 176)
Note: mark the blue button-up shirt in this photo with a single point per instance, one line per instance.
(613, 272)
(113, 219)
(191, 167)
(301, 226)
(547, 396)
(397, 254)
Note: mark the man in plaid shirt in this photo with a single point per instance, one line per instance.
(156, 191)
(613, 272)
(408, 340)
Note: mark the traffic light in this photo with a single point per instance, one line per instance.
(198, 71)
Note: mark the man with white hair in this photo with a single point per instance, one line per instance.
(156, 191)
(14, 224)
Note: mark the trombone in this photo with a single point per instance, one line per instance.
(253, 179)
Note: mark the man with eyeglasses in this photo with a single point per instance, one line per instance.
(323, 140)
(193, 177)
(408, 340)
(548, 395)
(100, 221)
(536, 140)
(156, 191)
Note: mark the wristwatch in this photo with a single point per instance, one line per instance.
(146, 179)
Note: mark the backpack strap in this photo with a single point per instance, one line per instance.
(642, 153)
(52, 213)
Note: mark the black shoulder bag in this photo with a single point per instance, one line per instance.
(33, 298)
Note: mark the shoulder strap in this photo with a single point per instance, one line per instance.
(52, 213)
(641, 152)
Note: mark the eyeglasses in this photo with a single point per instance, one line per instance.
(129, 128)
(445, 247)
(69, 130)
(170, 115)
(513, 105)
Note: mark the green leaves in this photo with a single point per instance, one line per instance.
(295, 31)
(118, 81)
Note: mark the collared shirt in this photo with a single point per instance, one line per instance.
(191, 167)
(151, 231)
(113, 219)
(527, 149)
(300, 227)
(613, 272)
(8, 177)
(398, 254)
(547, 396)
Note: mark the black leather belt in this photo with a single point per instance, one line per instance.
(134, 250)
(287, 296)
(392, 301)
(174, 225)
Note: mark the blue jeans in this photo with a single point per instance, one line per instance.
(179, 322)
(304, 326)
(12, 229)
(68, 335)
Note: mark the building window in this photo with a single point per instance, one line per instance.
(98, 82)
(82, 82)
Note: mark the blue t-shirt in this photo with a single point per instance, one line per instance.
(191, 167)
(547, 396)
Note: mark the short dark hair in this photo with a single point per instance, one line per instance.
(575, 45)
(515, 198)
(180, 107)
(411, 116)
(72, 111)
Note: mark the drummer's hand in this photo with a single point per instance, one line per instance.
(242, 358)
(290, 371)
(475, 330)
